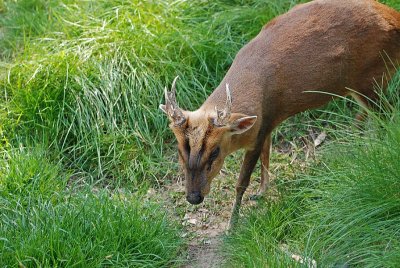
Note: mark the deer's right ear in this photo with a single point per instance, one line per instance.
(242, 124)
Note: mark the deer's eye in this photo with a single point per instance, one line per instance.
(214, 154)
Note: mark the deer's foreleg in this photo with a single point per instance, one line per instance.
(249, 162)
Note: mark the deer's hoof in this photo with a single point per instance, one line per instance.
(256, 197)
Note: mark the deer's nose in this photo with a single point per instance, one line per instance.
(194, 198)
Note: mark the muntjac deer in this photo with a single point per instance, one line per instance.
(328, 46)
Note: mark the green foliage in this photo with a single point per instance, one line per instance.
(21, 21)
(392, 3)
(26, 171)
(86, 230)
(43, 223)
(80, 86)
(87, 78)
(357, 209)
(259, 240)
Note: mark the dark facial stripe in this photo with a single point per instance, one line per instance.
(199, 156)
(204, 143)
(187, 147)
(180, 154)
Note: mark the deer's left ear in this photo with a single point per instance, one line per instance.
(242, 124)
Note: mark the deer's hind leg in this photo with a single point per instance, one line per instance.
(265, 175)
(264, 157)
(366, 102)
(362, 114)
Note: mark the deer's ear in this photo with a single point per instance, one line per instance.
(242, 124)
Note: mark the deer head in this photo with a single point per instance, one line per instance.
(204, 140)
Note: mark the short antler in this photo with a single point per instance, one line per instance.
(171, 107)
(224, 114)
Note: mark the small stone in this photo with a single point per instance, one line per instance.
(192, 221)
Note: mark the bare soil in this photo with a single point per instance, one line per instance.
(204, 225)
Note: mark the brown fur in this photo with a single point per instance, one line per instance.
(325, 45)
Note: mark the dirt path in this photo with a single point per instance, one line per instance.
(206, 223)
(205, 255)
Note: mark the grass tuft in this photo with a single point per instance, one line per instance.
(86, 230)
(28, 171)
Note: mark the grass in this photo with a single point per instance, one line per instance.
(88, 78)
(81, 135)
(344, 211)
(45, 224)
(86, 230)
(28, 172)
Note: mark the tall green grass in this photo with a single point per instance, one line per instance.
(86, 230)
(86, 78)
(47, 221)
(30, 172)
(344, 212)
(80, 86)
(43, 224)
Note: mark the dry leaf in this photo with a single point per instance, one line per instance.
(320, 139)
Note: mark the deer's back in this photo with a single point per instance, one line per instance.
(323, 45)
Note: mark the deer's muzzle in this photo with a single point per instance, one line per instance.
(194, 198)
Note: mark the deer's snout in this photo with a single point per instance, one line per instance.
(194, 198)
